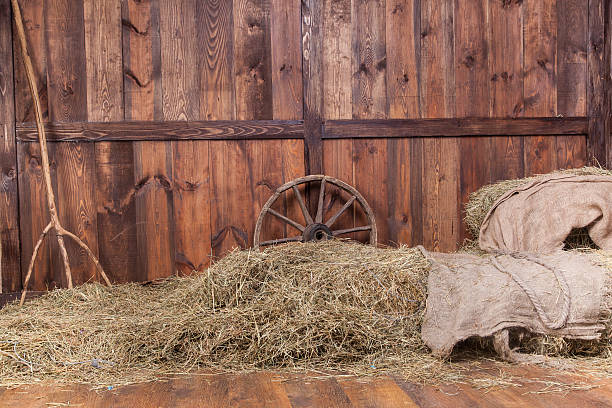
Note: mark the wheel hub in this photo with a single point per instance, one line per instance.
(316, 232)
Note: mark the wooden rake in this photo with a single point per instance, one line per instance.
(54, 224)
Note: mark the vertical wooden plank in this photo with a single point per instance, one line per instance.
(312, 65)
(67, 92)
(370, 102)
(403, 42)
(472, 91)
(217, 98)
(505, 72)
(403, 51)
(287, 88)
(286, 59)
(234, 185)
(252, 59)
(369, 60)
(540, 87)
(179, 29)
(152, 160)
(440, 156)
(114, 161)
(572, 25)
(32, 12)
(10, 272)
(337, 98)
(598, 60)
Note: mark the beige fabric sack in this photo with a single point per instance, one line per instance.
(538, 216)
(565, 294)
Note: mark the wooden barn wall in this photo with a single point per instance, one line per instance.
(148, 208)
(449, 59)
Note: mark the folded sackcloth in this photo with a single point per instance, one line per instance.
(538, 216)
(566, 293)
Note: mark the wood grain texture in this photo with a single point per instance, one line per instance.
(10, 269)
(32, 199)
(312, 82)
(266, 389)
(506, 92)
(181, 53)
(453, 127)
(75, 162)
(286, 59)
(472, 84)
(166, 130)
(33, 15)
(540, 28)
(572, 44)
(114, 161)
(369, 60)
(598, 104)
(337, 99)
(440, 157)
(403, 69)
(369, 92)
(152, 160)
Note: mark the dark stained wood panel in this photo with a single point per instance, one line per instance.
(190, 226)
(75, 162)
(472, 90)
(10, 274)
(32, 12)
(506, 91)
(116, 211)
(286, 59)
(453, 127)
(440, 157)
(572, 19)
(598, 81)
(166, 130)
(152, 160)
(312, 82)
(540, 92)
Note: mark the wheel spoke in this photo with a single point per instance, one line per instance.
(287, 220)
(354, 229)
(280, 241)
(298, 195)
(333, 219)
(319, 217)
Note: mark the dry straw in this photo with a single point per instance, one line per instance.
(332, 305)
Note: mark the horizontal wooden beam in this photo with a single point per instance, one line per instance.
(159, 131)
(341, 129)
(277, 129)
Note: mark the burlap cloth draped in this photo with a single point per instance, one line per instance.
(527, 281)
(568, 294)
(538, 216)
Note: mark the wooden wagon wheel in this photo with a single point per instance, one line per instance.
(317, 228)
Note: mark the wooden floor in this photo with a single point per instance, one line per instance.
(266, 389)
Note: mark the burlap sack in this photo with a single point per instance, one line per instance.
(566, 294)
(538, 216)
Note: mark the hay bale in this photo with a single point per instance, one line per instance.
(481, 201)
(333, 305)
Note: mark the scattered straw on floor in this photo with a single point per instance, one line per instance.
(332, 307)
(482, 200)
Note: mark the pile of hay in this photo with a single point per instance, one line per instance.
(333, 305)
(482, 200)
